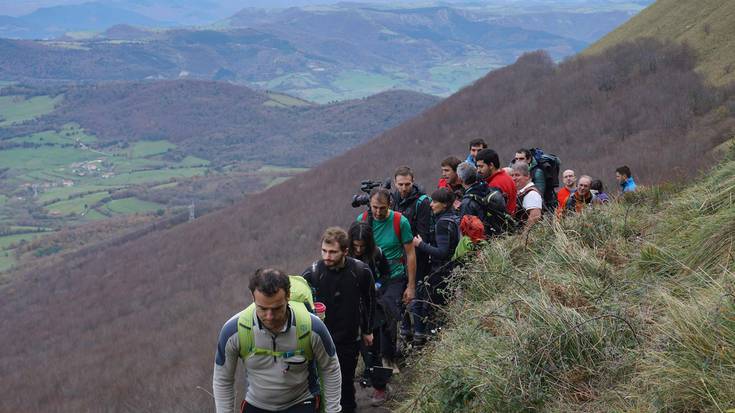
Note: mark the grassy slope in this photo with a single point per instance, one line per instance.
(707, 25)
(625, 308)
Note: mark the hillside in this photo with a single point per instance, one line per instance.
(139, 320)
(82, 155)
(628, 307)
(708, 26)
(222, 122)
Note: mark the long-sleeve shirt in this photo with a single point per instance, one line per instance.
(445, 239)
(276, 383)
(349, 294)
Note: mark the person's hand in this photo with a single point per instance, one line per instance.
(457, 204)
(417, 240)
(367, 339)
(409, 294)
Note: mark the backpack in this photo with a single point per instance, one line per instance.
(496, 219)
(301, 303)
(549, 164)
(471, 237)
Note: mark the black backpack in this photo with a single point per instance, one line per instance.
(496, 219)
(550, 165)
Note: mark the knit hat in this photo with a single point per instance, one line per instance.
(466, 172)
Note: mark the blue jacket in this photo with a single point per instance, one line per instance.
(628, 185)
(471, 160)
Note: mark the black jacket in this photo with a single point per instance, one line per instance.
(348, 293)
(470, 206)
(443, 241)
(418, 215)
(379, 265)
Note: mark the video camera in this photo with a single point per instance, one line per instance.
(367, 186)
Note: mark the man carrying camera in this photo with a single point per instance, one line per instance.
(392, 233)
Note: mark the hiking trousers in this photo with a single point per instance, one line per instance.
(347, 354)
(391, 296)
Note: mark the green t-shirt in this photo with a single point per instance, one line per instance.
(385, 237)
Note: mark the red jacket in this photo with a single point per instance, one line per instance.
(501, 179)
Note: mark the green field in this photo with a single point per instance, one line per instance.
(273, 169)
(8, 240)
(154, 176)
(76, 205)
(281, 100)
(14, 109)
(144, 149)
(43, 158)
(7, 260)
(131, 206)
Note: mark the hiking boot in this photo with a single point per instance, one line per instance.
(419, 340)
(379, 397)
(391, 364)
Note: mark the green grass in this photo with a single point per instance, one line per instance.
(131, 206)
(281, 100)
(143, 149)
(153, 176)
(3, 199)
(706, 25)
(30, 159)
(14, 109)
(76, 205)
(627, 307)
(193, 161)
(7, 260)
(274, 169)
(8, 240)
(64, 192)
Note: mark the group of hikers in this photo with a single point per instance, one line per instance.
(377, 286)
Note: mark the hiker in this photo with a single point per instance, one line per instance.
(537, 175)
(472, 186)
(570, 184)
(363, 248)
(392, 233)
(413, 204)
(476, 145)
(598, 190)
(440, 248)
(544, 173)
(347, 288)
(581, 197)
(286, 342)
(530, 203)
(625, 179)
(449, 177)
(488, 167)
(484, 202)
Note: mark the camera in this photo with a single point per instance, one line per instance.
(367, 186)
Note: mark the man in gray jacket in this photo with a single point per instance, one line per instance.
(280, 374)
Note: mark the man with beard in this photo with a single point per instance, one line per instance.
(412, 203)
(347, 288)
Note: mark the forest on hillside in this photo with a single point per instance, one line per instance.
(139, 320)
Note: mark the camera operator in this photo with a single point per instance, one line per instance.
(392, 233)
(414, 204)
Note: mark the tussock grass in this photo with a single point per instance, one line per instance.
(627, 307)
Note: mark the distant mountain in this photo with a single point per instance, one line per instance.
(587, 27)
(140, 320)
(55, 21)
(226, 123)
(706, 25)
(322, 55)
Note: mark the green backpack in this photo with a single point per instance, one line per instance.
(302, 303)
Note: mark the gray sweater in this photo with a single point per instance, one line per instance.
(276, 383)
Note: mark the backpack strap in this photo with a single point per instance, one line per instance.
(397, 224)
(303, 334)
